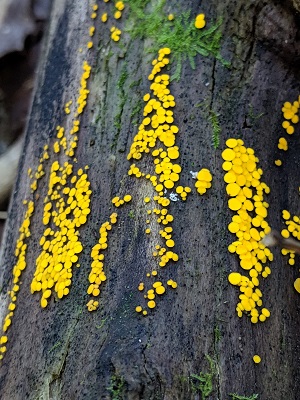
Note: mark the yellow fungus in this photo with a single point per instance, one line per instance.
(160, 290)
(200, 21)
(228, 155)
(151, 304)
(297, 285)
(44, 302)
(170, 243)
(127, 198)
(234, 278)
(234, 204)
(233, 189)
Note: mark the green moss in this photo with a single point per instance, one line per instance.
(180, 35)
(217, 334)
(102, 322)
(136, 112)
(203, 383)
(131, 214)
(252, 116)
(57, 344)
(235, 396)
(116, 387)
(122, 96)
(213, 118)
(123, 77)
(135, 83)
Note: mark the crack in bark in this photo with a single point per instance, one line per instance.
(145, 362)
(251, 48)
(56, 377)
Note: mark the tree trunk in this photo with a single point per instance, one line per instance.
(63, 351)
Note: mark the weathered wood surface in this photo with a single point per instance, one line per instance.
(64, 352)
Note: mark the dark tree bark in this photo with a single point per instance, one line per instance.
(65, 352)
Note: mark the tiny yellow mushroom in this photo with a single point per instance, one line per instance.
(297, 285)
(234, 278)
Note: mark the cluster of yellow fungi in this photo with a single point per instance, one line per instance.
(183, 191)
(119, 8)
(117, 14)
(66, 209)
(156, 135)
(97, 274)
(290, 113)
(67, 206)
(204, 179)
(117, 202)
(92, 305)
(57, 209)
(67, 107)
(292, 228)
(246, 192)
(115, 33)
(19, 267)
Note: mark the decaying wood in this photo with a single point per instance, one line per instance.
(64, 352)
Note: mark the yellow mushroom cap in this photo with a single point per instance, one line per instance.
(127, 198)
(234, 204)
(231, 143)
(256, 359)
(160, 289)
(234, 278)
(233, 189)
(297, 285)
(228, 155)
(170, 243)
(151, 304)
(266, 312)
(204, 175)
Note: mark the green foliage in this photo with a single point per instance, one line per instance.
(136, 112)
(203, 382)
(146, 23)
(131, 214)
(217, 334)
(235, 396)
(116, 387)
(213, 118)
(122, 78)
(180, 35)
(251, 114)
